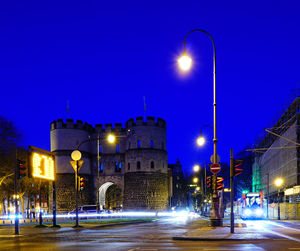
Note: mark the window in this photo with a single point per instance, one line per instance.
(118, 167)
(139, 144)
(129, 145)
(128, 166)
(162, 146)
(100, 148)
(117, 148)
(101, 167)
(152, 164)
(151, 143)
(138, 165)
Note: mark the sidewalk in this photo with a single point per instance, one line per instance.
(223, 234)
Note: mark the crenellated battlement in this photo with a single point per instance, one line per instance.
(70, 124)
(149, 122)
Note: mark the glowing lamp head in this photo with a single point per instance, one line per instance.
(196, 168)
(278, 182)
(111, 138)
(201, 141)
(76, 155)
(198, 188)
(184, 62)
(195, 180)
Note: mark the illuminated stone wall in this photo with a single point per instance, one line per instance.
(146, 191)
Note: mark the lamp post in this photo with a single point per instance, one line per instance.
(278, 183)
(185, 63)
(76, 156)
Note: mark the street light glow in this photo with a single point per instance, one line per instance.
(201, 141)
(111, 138)
(278, 182)
(195, 180)
(185, 62)
(197, 188)
(196, 168)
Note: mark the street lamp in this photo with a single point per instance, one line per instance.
(200, 141)
(185, 64)
(278, 182)
(196, 168)
(195, 180)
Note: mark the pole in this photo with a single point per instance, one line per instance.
(98, 166)
(16, 197)
(54, 203)
(231, 192)
(40, 202)
(268, 191)
(76, 193)
(278, 211)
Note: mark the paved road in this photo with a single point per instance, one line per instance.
(147, 236)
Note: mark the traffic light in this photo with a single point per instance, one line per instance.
(220, 184)
(81, 183)
(237, 170)
(21, 169)
(208, 181)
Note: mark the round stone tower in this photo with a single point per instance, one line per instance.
(65, 137)
(146, 165)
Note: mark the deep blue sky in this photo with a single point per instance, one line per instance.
(104, 56)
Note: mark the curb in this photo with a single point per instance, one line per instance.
(120, 224)
(215, 239)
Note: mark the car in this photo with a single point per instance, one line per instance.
(85, 209)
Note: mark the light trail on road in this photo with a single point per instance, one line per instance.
(263, 225)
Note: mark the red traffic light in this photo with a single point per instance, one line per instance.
(220, 184)
(237, 171)
(21, 169)
(208, 181)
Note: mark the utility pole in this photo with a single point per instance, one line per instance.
(231, 191)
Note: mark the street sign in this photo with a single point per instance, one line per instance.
(212, 159)
(73, 163)
(273, 205)
(215, 168)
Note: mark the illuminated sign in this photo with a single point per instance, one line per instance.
(42, 166)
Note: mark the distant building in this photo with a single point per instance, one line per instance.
(179, 197)
(278, 155)
(137, 164)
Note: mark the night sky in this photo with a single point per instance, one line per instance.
(104, 56)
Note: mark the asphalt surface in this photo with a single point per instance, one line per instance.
(152, 236)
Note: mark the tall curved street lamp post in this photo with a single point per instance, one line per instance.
(185, 63)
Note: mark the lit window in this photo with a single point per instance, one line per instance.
(100, 148)
(138, 165)
(117, 148)
(101, 167)
(152, 164)
(139, 144)
(151, 143)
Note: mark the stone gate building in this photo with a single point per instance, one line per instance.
(137, 163)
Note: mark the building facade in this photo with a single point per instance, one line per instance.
(179, 188)
(278, 155)
(137, 163)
